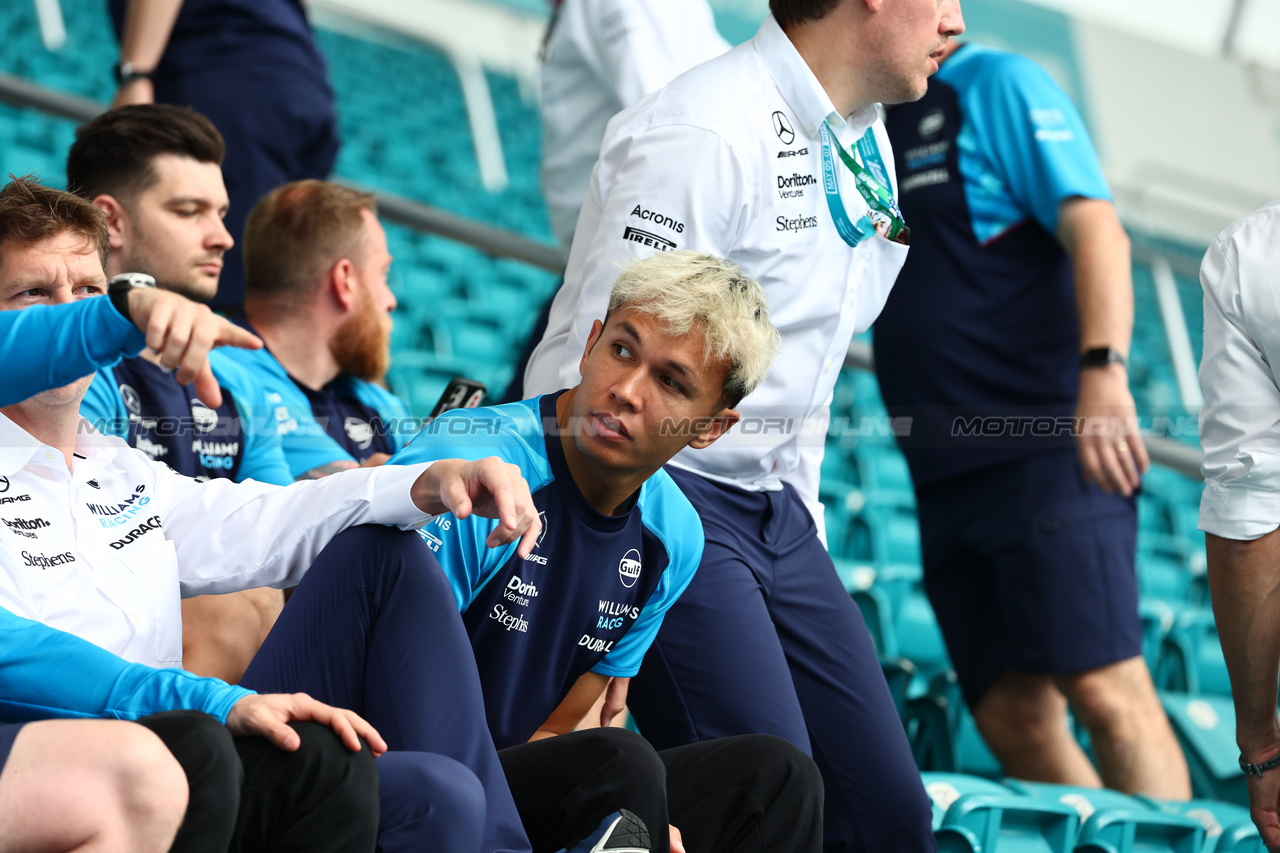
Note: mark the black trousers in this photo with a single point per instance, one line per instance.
(745, 794)
(247, 795)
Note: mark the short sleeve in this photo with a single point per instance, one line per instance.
(103, 408)
(1240, 420)
(264, 458)
(459, 544)
(1031, 135)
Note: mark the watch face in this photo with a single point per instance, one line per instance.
(132, 279)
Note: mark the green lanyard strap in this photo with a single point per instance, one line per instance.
(873, 189)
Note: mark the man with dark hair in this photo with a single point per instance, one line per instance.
(117, 538)
(316, 264)
(252, 66)
(155, 171)
(792, 13)
(772, 155)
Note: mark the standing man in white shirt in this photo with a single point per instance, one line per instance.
(1240, 509)
(601, 57)
(748, 156)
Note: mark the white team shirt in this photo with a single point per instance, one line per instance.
(107, 550)
(603, 56)
(727, 160)
(1240, 421)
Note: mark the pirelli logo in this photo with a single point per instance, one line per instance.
(645, 238)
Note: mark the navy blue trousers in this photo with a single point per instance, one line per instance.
(766, 640)
(374, 627)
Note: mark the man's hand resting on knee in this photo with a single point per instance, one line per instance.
(488, 487)
(269, 716)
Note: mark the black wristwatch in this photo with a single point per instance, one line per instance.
(1101, 357)
(118, 290)
(126, 73)
(1259, 768)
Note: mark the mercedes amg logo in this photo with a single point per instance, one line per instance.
(131, 399)
(782, 128)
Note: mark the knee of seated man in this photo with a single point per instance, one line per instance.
(326, 762)
(778, 755)
(416, 785)
(150, 779)
(628, 751)
(205, 749)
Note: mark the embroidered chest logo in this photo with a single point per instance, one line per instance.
(360, 432)
(783, 128)
(629, 568)
(25, 526)
(203, 417)
(538, 558)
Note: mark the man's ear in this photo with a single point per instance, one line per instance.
(596, 328)
(117, 219)
(715, 426)
(343, 285)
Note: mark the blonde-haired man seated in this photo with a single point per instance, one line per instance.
(686, 337)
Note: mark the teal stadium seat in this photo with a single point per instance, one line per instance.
(1227, 827)
(1206, 726)
(1000, 822)
(1191, 658)
(1113, 822)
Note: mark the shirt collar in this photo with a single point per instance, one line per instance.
(17, 447)
(800, 88)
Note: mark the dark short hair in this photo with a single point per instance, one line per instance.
(297, 232)
(114, 153)
(31, 212)
(791, 12)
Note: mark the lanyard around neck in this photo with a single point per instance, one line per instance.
(874, 190)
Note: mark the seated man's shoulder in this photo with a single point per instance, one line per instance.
(512, 432)
(667, 511)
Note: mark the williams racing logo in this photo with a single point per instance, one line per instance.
(120, 514)
(25, 526)
(645, 238)
(152, 523)
(629, 568)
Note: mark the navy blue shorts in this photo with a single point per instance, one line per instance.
(7, 735)
(1030, 569)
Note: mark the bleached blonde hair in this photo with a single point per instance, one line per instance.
(683, 289)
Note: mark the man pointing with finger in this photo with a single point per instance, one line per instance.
(100, 541)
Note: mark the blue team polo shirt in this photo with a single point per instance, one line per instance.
(143, 404)
(217, 35)
(349, 419)
(591, 596)
(981, 329)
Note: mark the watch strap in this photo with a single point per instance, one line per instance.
(1101, 357)
(119, 287)
(1261, 767)
(126, 73)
